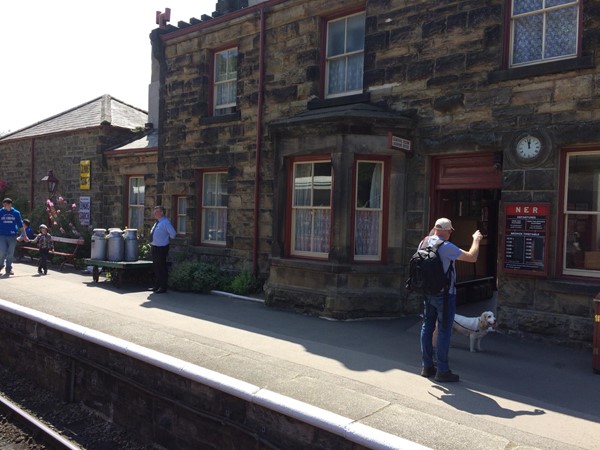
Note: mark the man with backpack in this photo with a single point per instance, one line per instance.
(440, 307)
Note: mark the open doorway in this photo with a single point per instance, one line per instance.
(469, 195)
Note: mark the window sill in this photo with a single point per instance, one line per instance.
(565, 65)
(318, 103)
(221, 119)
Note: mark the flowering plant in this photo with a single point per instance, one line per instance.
(63, 217)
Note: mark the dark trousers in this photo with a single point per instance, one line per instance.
(159, 264)
(43, 262)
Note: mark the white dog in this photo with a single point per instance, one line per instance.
(475, 327)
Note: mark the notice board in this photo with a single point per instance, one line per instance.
(526, 238)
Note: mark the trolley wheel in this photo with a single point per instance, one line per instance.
(95, 274)
(117, 277)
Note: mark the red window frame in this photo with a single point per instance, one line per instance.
(561, 216)
(386, 160)
(506, 63)
(290, 197)
(323, 62)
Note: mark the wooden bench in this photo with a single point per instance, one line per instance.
(69, 257)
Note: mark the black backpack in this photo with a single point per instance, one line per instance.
(426, 271)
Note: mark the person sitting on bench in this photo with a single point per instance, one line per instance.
(26, 231)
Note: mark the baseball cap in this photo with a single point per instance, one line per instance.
(7, 200)
(443, 224)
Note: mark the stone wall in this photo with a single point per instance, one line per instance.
(27, 161)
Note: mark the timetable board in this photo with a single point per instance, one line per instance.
(526, 238)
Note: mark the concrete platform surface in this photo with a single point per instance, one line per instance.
(514, 395)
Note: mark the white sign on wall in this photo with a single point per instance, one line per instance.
(84, 210)
(398, 143)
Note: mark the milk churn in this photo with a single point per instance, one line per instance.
(116, 247)
(131, 244)
(98, 244)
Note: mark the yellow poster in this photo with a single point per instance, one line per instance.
(85, 175)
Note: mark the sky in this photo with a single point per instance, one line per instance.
(56, 55)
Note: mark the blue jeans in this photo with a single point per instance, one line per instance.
(7, 250)
(433, 313)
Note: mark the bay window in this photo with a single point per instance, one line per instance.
(311, 209)
(368, 212)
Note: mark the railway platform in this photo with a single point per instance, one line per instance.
(516, 394)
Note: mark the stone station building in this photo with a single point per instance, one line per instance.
(315, 143)
(62, 142)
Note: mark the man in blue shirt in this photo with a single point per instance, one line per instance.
(10, 223)
(160, 236)
(435, 304)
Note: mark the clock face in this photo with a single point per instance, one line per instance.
(529, 147)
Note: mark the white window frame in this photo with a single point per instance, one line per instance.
(227, 80)
(181, 215)
(343, 56)
(216, 207)
(134, 202)
(311, 210)
(374, 206)
(572, 211)
(544, 11)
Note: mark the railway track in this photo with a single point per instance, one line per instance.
(38, 431)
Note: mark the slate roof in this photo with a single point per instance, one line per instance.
(104, 110)
(148, 142)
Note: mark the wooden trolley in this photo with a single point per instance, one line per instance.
(119, 270)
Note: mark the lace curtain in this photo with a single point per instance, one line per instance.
(137, 191)
(312, 207)
(345, 54)
(225, 81)
(368, 209)
(540, 34)
(214, 207)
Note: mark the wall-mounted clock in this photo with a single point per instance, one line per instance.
(528, 147)
(531, 147)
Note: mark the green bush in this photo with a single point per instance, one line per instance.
(144, 250)
(244, 283)
(196, 277)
